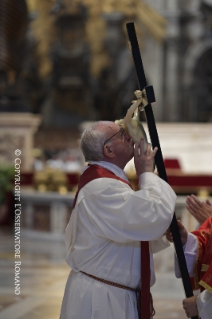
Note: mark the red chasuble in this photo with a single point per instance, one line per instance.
(203, 265)
(94, 172)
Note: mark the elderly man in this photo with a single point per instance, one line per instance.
(108, 222)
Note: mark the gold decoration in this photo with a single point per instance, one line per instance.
(43, 30)
(204, 267)
(51, 180)
(206, 286)
(203, 192)
(132, 10)
(138, 10)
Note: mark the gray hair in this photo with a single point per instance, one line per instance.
(92, 142)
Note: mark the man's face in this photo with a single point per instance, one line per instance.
(121, 143)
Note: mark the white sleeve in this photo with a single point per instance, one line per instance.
(204, 304)
(121, 214)
(157, 245)
(190, 252)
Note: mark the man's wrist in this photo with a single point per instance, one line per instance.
(144, 171)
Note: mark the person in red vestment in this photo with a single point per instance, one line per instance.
(198, 254)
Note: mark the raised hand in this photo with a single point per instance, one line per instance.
(144, 160)
(200, 210)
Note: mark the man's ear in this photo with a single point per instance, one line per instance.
(108, 151)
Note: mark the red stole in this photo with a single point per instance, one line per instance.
(94, 172)
(203, 264)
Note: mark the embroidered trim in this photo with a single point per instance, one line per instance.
(206, 286)
(204, 267)
(196, 278)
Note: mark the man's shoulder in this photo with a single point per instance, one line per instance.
(105, 183)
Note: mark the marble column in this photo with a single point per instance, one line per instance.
(16, 132)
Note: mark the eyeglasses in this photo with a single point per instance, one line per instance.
(121, 132)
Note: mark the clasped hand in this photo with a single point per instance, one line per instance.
(183, 233)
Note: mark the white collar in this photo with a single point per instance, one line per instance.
(111, 167)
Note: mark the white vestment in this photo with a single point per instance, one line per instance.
(103, 239)
(204, 299)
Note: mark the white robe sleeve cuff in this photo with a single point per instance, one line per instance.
(190, 251)
(158, 245)
(204, 304)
